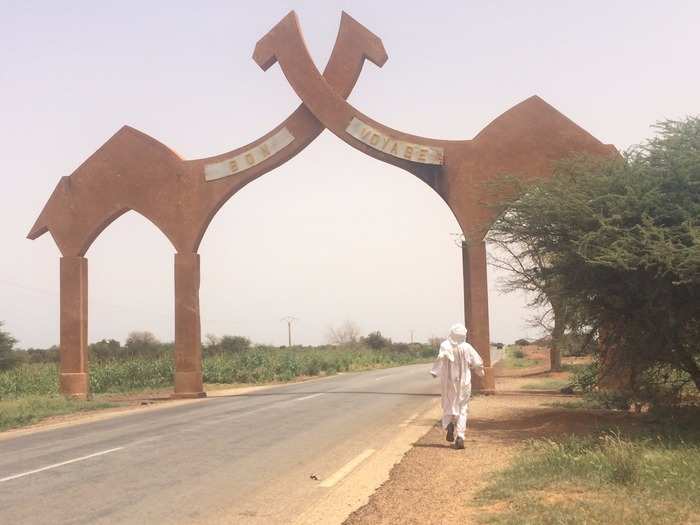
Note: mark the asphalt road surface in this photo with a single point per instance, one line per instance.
(246, 457)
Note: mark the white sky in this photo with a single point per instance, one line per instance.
(332, 235)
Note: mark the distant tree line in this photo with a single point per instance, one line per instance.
(144, 344)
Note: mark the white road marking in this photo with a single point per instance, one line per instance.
(381, 377)
(55, 465)
(409, 420)
(147, 440)
(305, 397)
(256, 410)
(347, 468)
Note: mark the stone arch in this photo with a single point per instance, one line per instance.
(133, 171)
(524, 141)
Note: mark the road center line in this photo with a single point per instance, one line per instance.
(305, 397)
(55, 465)
(382, 377)
(347, 468)
(264, 408)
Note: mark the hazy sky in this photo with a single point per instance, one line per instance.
(332, 235)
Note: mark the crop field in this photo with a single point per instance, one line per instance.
(257, 365)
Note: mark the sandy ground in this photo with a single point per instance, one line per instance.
(421, 489)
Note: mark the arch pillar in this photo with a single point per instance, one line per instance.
(476, 309)
(74, 380)
(188, 331)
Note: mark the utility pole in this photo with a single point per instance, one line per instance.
(411, 336)
(289, 320)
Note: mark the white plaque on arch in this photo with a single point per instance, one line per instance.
(249, 158)
(378, 140)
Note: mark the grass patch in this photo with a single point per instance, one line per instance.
(516, 358)
(578, 404)
(546, 384)
(573, 368)
(16, 413)
(644, 478)
(602, 400)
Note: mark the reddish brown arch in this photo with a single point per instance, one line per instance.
(525, 142)
(133, 171)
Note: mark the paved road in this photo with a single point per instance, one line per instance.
(249, 457)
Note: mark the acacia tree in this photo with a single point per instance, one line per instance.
(621, 238)
(346, 333)
(527, 269)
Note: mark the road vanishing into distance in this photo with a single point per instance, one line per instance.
(241, 458)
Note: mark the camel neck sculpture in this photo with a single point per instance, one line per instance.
(133, 171)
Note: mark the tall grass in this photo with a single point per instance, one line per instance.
(652, 477)
(259, 365)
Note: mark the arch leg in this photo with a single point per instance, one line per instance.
(188, 339)
(476, 309)
(74, 380)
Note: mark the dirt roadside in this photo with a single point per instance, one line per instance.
(435, 483)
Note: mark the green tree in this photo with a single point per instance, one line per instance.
(376, 341)
(142, 344)
(527, 269)
(7, 345)
(105, 349)
(621, 238)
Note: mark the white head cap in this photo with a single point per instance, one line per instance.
(458, 334)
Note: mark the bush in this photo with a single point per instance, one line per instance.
(608, 400)
(376, 340)
(585, 377)
(105, 349)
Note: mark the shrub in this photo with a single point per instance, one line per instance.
(608, 399)
(376, 340)
(585, 377)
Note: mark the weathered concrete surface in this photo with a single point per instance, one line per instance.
(476, 309)
(73, 368)
(188, 332)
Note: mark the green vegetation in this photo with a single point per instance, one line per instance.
(618, 240)
(29, 387)
(223, 363)
(28, 410)
(516, 358)
(652, 477)
(546, 384)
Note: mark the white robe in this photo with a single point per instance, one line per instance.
(453, 366)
